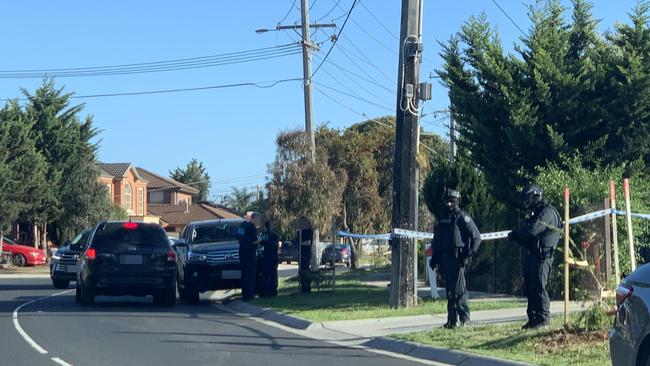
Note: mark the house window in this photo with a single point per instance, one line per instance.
(128, 206)
(140, 201)
(110, 192)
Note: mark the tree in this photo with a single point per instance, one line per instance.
(195, 175)
(300, 187)
(240, 200)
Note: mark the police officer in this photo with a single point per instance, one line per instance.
(455, 241)
(269, 241)
(248, 255)
(539, 235)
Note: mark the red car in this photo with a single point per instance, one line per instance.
(23, 255)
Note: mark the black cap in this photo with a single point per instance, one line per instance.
(451, 193)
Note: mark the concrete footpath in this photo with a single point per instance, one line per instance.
(373, 333)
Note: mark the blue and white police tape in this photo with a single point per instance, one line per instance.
(364, 236)
(410, 234)
(590, 216)
(634, 214)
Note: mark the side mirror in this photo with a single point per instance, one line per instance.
(180, 243)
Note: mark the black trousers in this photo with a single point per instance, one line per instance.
(269, 277)
(536, 271)
(248, 275)
(456, 288)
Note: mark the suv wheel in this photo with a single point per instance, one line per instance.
(77, 294)
(166, 298)
(60, 284)
(87, 295)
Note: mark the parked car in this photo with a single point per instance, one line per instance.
(288, 251)
(629, 339)
(339, 253)
(63, 266)
(127, 258)
(23, 255)
(208, 258)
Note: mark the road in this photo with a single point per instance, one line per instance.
(132, 331)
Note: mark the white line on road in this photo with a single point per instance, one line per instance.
(60, 361)
(26, 336)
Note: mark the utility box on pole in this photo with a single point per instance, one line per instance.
(405, 169)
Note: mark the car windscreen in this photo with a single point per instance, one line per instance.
(113, 235)
(215, 233)
(81, 238)
(8, 241)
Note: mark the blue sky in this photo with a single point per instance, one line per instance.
(231, 130)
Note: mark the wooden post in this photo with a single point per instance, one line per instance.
(612, 198)
(628, 218)
(608, 244)
(566, 256)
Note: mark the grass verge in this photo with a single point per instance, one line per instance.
(552, 346)
(355, 300)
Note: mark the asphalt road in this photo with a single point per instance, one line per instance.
(132, 331)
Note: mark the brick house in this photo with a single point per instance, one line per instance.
(127, 188)
(173, 202)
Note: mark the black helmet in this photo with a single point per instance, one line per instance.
(451, 198)
(531, 196)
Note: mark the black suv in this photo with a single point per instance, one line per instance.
(63, 266)
(208, 258)
(127, 258)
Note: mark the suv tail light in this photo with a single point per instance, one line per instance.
(171, 256)
(91, 254)
(623, 292)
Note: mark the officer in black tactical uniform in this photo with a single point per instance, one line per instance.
(269, 241)
(248, 256)
(539, 235)
(455, 241)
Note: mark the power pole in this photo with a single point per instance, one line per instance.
(306, 72)
(405, 169)
(307, 46)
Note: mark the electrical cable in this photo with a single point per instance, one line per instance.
(368, 61)
(360, 77)
(255, 84)
(353, 96)
(340, 103)
(329, 12)
(293, 5)
(351, 58)
(169, 65)
(352, 91)
(354, 3)
(378, 21)
(508, 16)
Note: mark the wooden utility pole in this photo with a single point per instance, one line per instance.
(306, 72)
(405, 185)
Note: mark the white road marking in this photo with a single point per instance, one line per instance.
(26, 336)
(60, 361)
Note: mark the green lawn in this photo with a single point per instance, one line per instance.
(355, 300)
(553, 346)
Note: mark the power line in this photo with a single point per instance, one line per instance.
(354, 3)
(508, 16)
(350, 57)
(354, 96)
(352, 91)
(293, 5)
(157, 66)
(255, 84)
(368, 61)
(379, 21)
(360, 76)
(329, 12)
(340, 103)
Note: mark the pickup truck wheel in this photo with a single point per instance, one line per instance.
(60, 284)
(190, 295)
(87, 296)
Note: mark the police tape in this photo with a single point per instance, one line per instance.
(364, 236)
(590, 216)
(634, 214)
(412, 234)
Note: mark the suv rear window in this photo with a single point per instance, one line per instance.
(214, 233)
(113, 234)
